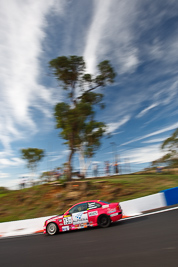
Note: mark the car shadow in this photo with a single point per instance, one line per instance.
(114, 224)
(129, 221)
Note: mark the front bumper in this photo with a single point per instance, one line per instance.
(44, 229)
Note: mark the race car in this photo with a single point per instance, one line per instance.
(84, 214)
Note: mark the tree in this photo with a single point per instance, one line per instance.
(46, 176)
(171, 146)
(32, 156)
(75, 117)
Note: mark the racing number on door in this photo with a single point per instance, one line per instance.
(67, 220)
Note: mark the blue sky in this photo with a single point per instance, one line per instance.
(140, 38)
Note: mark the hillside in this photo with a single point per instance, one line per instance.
(55, 198)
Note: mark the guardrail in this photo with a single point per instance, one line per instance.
(171, 196)
(130, 208)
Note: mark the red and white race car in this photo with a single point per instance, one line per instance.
(84, 214)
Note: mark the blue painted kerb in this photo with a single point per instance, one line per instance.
(171, 196)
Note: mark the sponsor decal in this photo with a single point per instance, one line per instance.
(105, 206)
(60, 220)
(92, 205)
(67, 220)
(93, 213)
(65, 228)
(114, 214)
(80, 217)
(111, 211)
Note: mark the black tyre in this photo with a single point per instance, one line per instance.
(104, 221)
(52, 229)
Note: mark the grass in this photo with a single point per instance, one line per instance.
(47, 199)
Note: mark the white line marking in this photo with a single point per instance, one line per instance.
(151, 213)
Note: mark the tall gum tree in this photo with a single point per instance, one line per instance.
(76, 116)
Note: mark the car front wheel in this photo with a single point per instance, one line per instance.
(104, 221)
(52, 229)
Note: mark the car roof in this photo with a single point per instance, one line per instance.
(96, 200)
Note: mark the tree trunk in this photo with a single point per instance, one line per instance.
(69, 172)
(84, 164)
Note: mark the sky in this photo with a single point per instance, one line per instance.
(139, 38)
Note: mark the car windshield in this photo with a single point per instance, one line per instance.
(104, 202)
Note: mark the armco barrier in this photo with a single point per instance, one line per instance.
(22, 227)
(130, 208)
(171, 196)
(138, 205)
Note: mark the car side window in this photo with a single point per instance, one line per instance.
(94, 205)
(78, 208)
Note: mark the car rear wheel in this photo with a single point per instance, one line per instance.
(104, 221)
(52, 229)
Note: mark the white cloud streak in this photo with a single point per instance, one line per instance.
(144, 111)
(22, 26)
(143, 155)
(4, 175)
(96, 31)
(11, 162)
(113, 126)
(57, 157)
(172, 127)
(156, 140)
(110, 25)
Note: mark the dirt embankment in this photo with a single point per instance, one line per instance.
(55, 198)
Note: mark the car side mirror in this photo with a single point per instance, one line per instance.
(67, 213)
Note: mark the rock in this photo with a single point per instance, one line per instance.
(72, 195)
(114, 190)
(84, 186)
(59, 196)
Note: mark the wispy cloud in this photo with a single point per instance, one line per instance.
(110, 24)
(113, 126)
(57, 157)
(115, 133)
(21, 34)
(143, 155)
(101, 13)
(5, 162)
(145, 110)
(166, 129)
(156, 140)
(54, 158)
(4, 175)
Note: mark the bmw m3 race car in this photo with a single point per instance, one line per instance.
(84, 214)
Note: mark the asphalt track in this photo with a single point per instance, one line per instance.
(144, 241)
